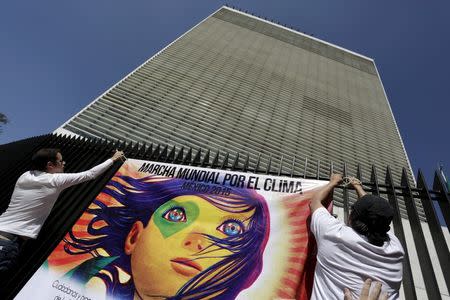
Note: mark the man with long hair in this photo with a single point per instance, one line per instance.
(349, 254)
(35, 193)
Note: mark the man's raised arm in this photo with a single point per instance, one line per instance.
(322, 194)
(65, 180)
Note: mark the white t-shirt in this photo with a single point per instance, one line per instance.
(35, 194)
(345, 259)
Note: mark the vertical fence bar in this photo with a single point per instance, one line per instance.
(374, 181)
(179, 156)
(345, 194)
(225, 161)
(20, 163)
(134, 152)
(257, 163)
(155, 153)
(318, 170)
(359, 172)
(215, 162)
(305, 168)
(12, 168)
(162, 155)
(426, 266)
(293, 166)
(443, 198)
(269, 164)
(247, 160)
(408, 281)
(235, 164)
(196, 160)
(205, 160)
(128, 150)
(280, 168)
(148, 152)
(435, 228)
(171, 156)
(187, 159)
(141, 152)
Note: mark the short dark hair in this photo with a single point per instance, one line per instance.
(371, 216)
(42, 157)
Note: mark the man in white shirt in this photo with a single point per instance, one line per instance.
(347, 255)
(35, 193)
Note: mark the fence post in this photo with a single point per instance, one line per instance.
(419, 240)
(442, 197)
(435, 228)
(408, 281)
(345, 194)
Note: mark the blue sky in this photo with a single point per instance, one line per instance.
(57, 56)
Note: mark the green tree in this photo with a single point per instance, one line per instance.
(3, 120)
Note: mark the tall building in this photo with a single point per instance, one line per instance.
(238, 83)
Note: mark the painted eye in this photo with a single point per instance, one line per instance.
(231, 227)
(175, 214)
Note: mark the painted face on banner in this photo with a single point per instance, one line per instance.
(173, 248)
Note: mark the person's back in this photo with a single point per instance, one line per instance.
(24, 213)
(348, 255)
(34, 195)
(345, 259)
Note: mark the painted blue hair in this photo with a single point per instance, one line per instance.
(140, 199)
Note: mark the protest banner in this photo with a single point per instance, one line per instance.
(165, 231)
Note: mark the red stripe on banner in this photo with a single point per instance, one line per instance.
(295, 213)
(301, 249)
(295, 259)
(81, 234)
(59, 257)
(290, 283)
(300, 210)
(297, 223)
(301, 260)
(99, 224)
(300, 240)
(68, 260)
(292, 202)
(108, 200)
(296, 272)
(283, 295)
(298, 265)
(122, 182)
(300, 231)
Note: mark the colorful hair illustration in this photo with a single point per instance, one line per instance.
(139, 199)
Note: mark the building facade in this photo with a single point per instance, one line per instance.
(241, 84)
(236, 83)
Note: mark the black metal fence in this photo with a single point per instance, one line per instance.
(433, 257)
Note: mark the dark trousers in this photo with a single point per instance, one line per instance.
(9, 252)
